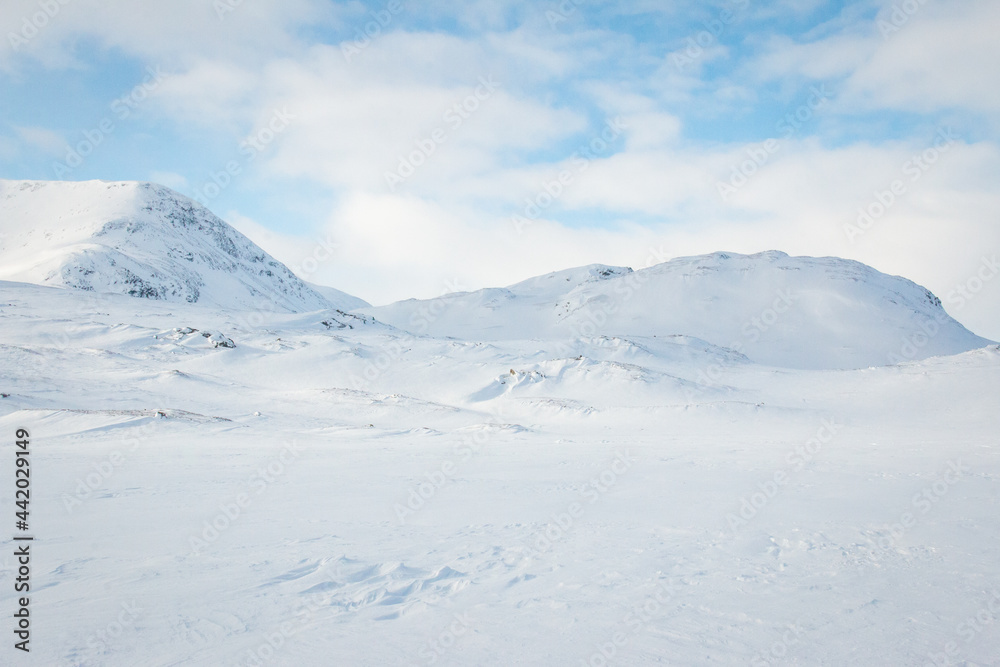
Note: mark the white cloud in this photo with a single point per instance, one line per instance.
(399, 246)
(171, 34)
(8, 148)
(938, 59)
(290, 250)
(215, 94)
(450, 224)
(935, 58)
(832, 57)
(354, 121)
(42, 139)
(169, 179)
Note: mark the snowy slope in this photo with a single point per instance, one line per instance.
(361, 496)
(213, 487)
(143, 240)
(798, 312)
(341, 300)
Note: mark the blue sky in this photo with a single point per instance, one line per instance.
(738, 125)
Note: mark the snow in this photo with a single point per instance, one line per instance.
(338, 299)
(145, 240)
(798, 312)
(503, 485)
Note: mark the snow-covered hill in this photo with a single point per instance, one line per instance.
(218, 490)
(146, 241)
(318, 495)
(797, 312)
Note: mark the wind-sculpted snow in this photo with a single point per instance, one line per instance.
(145, 241)
(318, 494)
(592, 467)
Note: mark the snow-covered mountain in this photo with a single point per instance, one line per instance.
(220, 489)
(388, 499)
(146, 241)
(798, 312)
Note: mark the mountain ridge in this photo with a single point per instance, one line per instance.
(147, 241)
(802, 312)
(144, 240)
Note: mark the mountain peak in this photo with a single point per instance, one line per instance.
(799, 312)
(143, 240)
